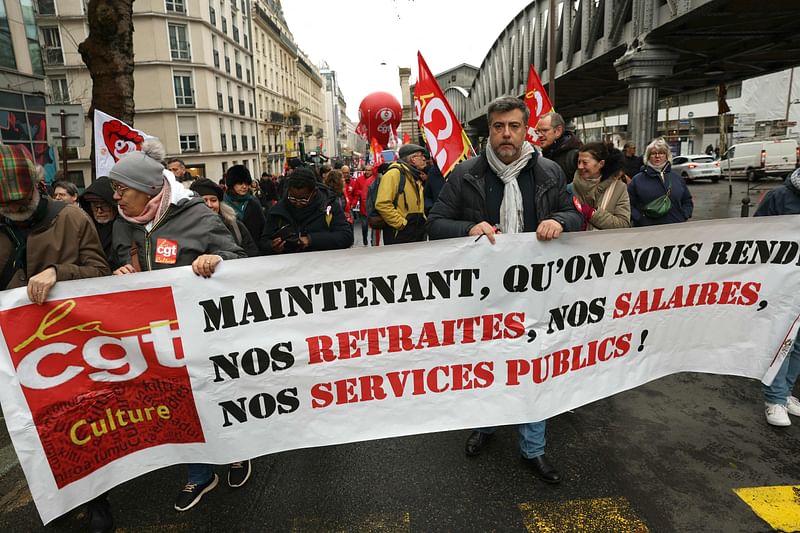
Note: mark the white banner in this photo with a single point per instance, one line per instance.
(118, 376)
(113, 139)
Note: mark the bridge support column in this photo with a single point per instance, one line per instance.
(643, 66)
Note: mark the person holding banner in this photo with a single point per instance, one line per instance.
(598, 195)
(658, 195)
(163, 225)
(41, 241)
(779, 402)
(510, 184)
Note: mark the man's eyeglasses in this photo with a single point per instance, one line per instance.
(118, 188)
(499, 127)
(100, 206)
(542, 131)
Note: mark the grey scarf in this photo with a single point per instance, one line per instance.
(511, 211)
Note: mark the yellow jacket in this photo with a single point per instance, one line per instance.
(411, 200)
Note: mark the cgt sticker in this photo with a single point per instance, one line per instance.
(102, 385)
(166, 251)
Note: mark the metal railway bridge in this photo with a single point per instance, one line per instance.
(609, 53)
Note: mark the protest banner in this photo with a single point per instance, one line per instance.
(114, 377)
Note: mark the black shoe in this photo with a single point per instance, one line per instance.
(100, 518)
(239, 473)
(476, 442)
(191, 494)
(542, 467)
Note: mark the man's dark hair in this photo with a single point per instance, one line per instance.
(68, 186)
(176, 160)
(504, 104)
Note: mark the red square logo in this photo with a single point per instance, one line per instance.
(166, 251)
(103, 376)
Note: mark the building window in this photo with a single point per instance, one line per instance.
(46, 7)
(235, 34)
(223, 139)
(212, 16)
(220, 102)
(227, 64)
(188, 137)
(216, 58)
(60, 90)
(176, 6)
(239, 70)
(230, 104)
(224, 25)
(7, 58)
(53, 54)
(241, 107)
(178, 43)
(32, 36)
(233, 141)
(184, 96)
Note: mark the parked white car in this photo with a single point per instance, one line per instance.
(693, 167)
(754, 160)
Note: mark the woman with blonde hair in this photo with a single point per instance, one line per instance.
(658, 195)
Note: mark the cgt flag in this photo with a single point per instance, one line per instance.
(377, 154)
(538, 103)
(113, 139)
(443, 132)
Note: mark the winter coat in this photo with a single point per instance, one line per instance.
(189, 224)
(101, 188)
(411, 199)
(322, 221)
(360, 190)
(433, 186)
(65, 239)
(564, 151)
(617, 212)
(632, 165)
(780, 201)
(239, 231)
(462, 202)
(650, 184)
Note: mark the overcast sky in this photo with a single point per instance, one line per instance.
(356, 36)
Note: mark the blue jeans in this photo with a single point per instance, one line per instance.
(783, 383)
(199, 473)
(531, 438)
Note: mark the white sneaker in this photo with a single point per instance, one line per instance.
(777, 415)
(793, 406)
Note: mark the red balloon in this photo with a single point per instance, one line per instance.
(379, 115)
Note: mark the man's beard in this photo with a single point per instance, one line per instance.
(24, 214)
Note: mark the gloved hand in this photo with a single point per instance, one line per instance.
(585, 209)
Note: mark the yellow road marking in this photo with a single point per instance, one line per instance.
(777, 506)
(382, 522)
(600, 515)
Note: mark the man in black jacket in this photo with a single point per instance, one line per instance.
(558, 144)
(510, 185)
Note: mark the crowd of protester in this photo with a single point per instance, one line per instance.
(511, 187)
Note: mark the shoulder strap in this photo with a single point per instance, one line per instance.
(401, 189)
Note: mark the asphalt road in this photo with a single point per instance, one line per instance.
(665, 457)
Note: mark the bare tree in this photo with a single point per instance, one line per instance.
(108, 52)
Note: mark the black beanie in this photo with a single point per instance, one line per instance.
(302, 177)
(237, 174)
(204, 186)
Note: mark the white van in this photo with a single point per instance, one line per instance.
(757, 159)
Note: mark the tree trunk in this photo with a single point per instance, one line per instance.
(108, 53)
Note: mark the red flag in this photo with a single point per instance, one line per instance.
(538, 103)
(443, 132)
(377, 153)
(406, 139)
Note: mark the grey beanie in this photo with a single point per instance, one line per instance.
(139, 171)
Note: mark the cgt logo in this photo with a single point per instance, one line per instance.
(166, 251)
(101, 388)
